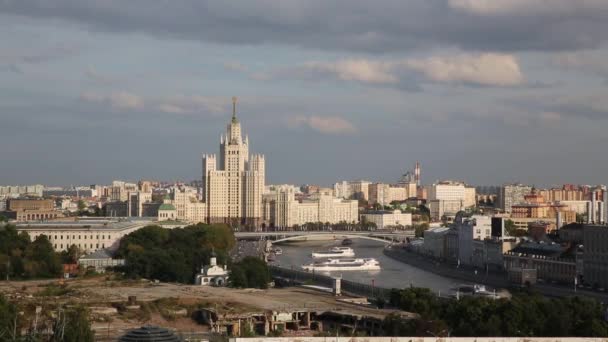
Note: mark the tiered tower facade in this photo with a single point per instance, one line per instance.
(233, 187)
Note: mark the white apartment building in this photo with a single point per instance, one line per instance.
(233, 185)
(352, 190)
(446, 198)
(281, 209)
(18, 190)
(384, 194)
(511, 194)
(387, 219)
(476, 227)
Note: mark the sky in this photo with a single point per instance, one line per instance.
(483, 91)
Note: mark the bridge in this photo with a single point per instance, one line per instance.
(278, 237)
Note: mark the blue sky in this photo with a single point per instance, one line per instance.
(486, 91)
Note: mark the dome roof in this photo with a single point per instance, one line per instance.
(150, 333)
(166, 206)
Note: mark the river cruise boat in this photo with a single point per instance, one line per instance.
(335, 252)
(358, 264)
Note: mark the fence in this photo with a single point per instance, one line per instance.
(300, 277)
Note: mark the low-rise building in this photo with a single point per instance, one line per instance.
(553, 262)
(100, 261)
(88, 235)
(595, 255)
(387, 219)
(31, 210)
(212, 274)
(435, 242)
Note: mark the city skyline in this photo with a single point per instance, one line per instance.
(94, 91)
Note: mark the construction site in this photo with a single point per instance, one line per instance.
(118, 305)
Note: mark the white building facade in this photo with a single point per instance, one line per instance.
(387, 219)
(281, 209)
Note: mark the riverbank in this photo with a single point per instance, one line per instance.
(467, 274)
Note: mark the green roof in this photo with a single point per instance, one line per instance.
(166, 206)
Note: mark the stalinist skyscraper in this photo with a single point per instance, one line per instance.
(233, 188)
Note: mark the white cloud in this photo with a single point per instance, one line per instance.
(116, 100)
(326, 124)
(527, 7)
(486, 69)
(360, 70)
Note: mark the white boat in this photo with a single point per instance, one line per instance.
(335, 252)
(277, 251)
(358, 264)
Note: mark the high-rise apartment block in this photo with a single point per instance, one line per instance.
(511, 194)
(233, 185)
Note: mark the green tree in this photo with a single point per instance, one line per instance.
(174, 254)
(250, 272)
(510, 227)
(8, 316)
(73, 326)
(81, 205)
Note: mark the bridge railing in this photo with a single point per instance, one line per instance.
(301, 277)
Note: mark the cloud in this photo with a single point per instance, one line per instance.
(175, 104)
(116, 100)
(326, 125)
(589, 61)
(528, 7)
(489, 69)
(360, 70)
(183, 104)
(355, 25)
(235, 66)
(100, 78)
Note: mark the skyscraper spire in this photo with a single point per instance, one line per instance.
(234, 109)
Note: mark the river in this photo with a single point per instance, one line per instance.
(394, 274)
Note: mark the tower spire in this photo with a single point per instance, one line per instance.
(234, 109)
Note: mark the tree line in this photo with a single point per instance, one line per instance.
(525, 314)
(176, 255)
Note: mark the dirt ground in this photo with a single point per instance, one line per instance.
(103, 291)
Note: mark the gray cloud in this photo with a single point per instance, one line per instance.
(359, 25)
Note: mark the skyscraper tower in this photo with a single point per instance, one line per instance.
(233, 189)
(417, 173)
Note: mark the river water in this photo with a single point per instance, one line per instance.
(394, 274)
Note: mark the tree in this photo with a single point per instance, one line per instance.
(510, 227)
(73, 326)
(8, 319)
(81, 206)
(250, 272)
(174, 254)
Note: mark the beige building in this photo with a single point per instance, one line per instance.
(233, 185)
(385, 194)
(387, 219)
(470, 197)
(185, 204)
(281, 209)
(31, 210)
(88, 235)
